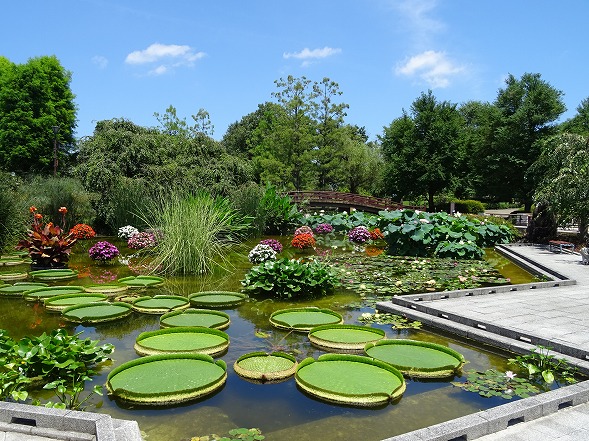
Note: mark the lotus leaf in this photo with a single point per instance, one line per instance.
(160, 304)
(195, 317)
(50, 291)
(54, 274)
(417, 358)
(166, 379)
(350, 379)
(182, 339)
(344, 337)
(97, 312)
(304, 319)
(11, 261)
(13, 276)
(217, 299)
(261, 366)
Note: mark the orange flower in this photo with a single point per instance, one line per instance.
(32, 208)
(62, 210)
(38, 216)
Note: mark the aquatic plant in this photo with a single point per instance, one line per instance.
(493, 383)
(541, 364)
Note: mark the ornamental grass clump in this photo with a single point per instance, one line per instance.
(127, 232)
(198, 232)
(82, 231)
(287, 279)
(260, 253)
(359, 235)
(103, 251)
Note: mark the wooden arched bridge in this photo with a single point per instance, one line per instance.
(335, 200)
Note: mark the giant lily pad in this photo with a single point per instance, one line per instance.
(217, 299)
(344, 337)
(417, 358)
(196, 317)
(11, 261)
(166, 379)
(59, 303)
(160, 304)
(50, 275)
(97, 312)
(260, 366)
(42, 293)
(13, 276)
(182, 339)
(142, 281)
(350, 379)
(304, 319)
(107, 288)
(19, 288)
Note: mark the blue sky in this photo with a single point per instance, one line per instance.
(130, 59)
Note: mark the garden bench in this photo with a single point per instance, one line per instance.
(561, 245)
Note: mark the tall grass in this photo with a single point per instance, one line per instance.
(12, 218)
(197, 233)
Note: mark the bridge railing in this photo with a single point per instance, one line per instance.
(350, 199)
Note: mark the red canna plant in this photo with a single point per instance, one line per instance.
(46, 243)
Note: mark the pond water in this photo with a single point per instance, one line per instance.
(281, 410)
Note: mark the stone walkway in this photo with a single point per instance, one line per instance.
(558, 315)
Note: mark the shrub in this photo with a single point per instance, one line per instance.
(260, 253)
(276, 245)
(288, 279)
(323, 228)
(82, 231)
(303, 241)
(103, 251)
(359, 235)
(469, 206)
(142, 240)
(12, 217)
(279, 212)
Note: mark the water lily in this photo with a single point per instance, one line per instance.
(510, 375)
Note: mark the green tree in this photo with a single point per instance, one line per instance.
(564, 167)
(579, 123)
(422, 149)
(529, 107)
(34, 97)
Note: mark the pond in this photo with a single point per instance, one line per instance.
(280, 410)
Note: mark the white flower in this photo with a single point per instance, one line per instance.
(127, 232)
(510, 375)
(366, 315)
(261, 253)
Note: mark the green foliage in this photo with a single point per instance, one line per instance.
(12, 218)
(385, 318)
(493, 383)
(543, 366)
(241, 434)
(290, 279)
(278, 211)
(49, 194)
(59, 361)
(34, 97)
(197, 232)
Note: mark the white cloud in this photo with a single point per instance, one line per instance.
(435, 68)
(170, 55)
(100, 61)
(416, 18)
(308, 54)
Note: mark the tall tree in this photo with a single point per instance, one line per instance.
(529, 107)
(579, 123)
(422, 149)
(34, 97)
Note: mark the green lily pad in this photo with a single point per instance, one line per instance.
(196, 317)
(11, 261)
(97, 312)
(19, 288)
(59, 303)
(344, 337)
(217, 299)
(350, 379)
(166, 379)
(263, 367)
(417, 358)
(304, 319)
(42, 293)
(142, 281)
(54, 274)
(107, 288)
(160, 304)
(13, 276)
(182, 340)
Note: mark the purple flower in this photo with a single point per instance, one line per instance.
(142, 240)
(323, 229)
(359, 235)
(103, 251)
(273, 243)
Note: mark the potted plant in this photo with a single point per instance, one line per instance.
(46, 243)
